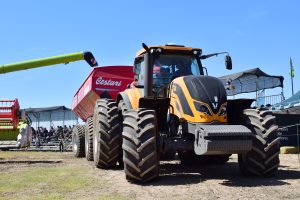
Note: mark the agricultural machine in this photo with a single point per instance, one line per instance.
(13, 125)
(103, 83)
(172, 106)
(15, 131)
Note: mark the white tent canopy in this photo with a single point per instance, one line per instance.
(250, 81)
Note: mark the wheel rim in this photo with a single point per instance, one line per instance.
(75, 147)
(86, 145)
(95, 145)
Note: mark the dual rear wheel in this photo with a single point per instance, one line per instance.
(107, 134)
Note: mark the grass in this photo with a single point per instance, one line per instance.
(60, 181)
(28, 155)
(46, 183)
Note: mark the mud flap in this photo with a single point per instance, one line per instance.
(222, 139)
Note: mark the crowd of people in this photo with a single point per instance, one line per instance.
(43, 136)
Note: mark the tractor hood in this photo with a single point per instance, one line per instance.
(198, 99)
(206, 89)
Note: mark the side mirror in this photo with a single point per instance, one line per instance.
(228, 62)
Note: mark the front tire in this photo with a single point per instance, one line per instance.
(263, 159)
(107, 133)
(140, 155)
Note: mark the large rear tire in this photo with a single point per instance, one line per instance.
(140, 154)
(107, 133)
(89, 139)
(263, 159)
(78, 137)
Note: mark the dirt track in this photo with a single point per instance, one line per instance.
(175, 182)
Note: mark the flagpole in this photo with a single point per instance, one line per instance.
(292, 73)
(292, 85)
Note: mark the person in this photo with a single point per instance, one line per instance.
(33, 132)
(45, 134)
(156, 73)
(37, 140)
(61, 143)
(182, 70)
(160, 74)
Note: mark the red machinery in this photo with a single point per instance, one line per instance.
(103, 82)
(9, 118)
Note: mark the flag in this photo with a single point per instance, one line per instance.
(292, 73)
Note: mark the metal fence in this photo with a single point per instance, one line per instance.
(268, 100)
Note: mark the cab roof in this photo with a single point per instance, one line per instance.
(170, 48)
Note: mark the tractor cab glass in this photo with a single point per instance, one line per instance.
(167, 67)
(139, 71)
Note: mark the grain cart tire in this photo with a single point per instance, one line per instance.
(78, 137)
(107, 133)
(140, 153)
(190, 158)
(89, 154)
(263, 159)
(122, 108)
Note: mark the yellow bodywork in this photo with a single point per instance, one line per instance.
(196, 117)
(134, 94)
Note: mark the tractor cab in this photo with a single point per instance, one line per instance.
(157, 66)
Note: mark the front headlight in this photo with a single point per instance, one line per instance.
(223, 110)
(202, 108)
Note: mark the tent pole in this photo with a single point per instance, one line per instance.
(256, 95)
(64, 122)
(292, 85)
(50, 121)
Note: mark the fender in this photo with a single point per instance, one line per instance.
(235, 108)
(123, 96)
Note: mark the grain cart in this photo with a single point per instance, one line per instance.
(174, 106)
(102, 83)
(15, 131)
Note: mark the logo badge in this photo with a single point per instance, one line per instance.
(108, 82)
(215, 104)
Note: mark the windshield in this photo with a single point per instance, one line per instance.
(168, 67)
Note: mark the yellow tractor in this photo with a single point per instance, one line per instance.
(174, 106)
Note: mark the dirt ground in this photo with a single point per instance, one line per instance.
(175, 181)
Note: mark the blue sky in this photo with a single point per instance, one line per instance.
(261, 34)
